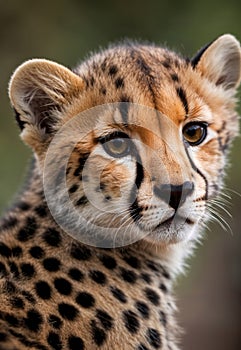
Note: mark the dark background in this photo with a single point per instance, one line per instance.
(66, 31)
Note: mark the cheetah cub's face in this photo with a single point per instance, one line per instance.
(132, 144)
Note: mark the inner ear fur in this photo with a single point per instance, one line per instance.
(220, 62)
(39, 88)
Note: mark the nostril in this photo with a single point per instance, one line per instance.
(174, 195)
(180, 193)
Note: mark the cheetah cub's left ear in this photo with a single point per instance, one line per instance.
(39, 91)
(220, 62)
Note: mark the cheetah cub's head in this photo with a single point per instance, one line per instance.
(132, 144)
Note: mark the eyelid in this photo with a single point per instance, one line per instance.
(111, 136)
(196, 122)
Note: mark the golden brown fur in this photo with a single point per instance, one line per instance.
(58, 293)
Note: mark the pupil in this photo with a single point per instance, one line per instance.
(193, 131)
(117, 143)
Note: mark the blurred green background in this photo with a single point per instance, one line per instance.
(209, 297)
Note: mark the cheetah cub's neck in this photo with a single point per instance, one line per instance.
(130, 150)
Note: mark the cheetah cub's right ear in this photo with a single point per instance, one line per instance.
(40, 91)
(220, 62)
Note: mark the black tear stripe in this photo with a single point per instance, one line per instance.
(134, 209)
(198, 172)
(182, 95)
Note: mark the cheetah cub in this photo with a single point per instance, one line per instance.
(129, 151)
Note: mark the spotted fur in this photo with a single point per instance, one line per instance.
(58, 293)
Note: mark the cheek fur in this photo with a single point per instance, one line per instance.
(114, 179)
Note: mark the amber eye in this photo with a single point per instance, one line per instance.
(195, 133)
(117, 144)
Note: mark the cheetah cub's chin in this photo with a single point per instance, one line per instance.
(129, 153)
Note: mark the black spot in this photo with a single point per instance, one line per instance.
(67, 311)
(23, 206)
(154, 338)
(163, 318)
(103, 91)
(103, 65)
(82, 161)
(17, 252)
(55, 321)
(11, 320)
(128, 275)
(33, 320)
(76, 274)
(52, 237)
(131, 321)
(143, 309)
(165, 273)
(82, 201)
(14, 269)
(85, 300)
(28, 231)
(27, 270)
(113, 70)
(36, 252)
(51, 264)
(98, 276)
(132, 261)
(152, 296)
(182, 95)
(146, 277)
(17, 302)
(41, 211)
(151, 265)
(118, 294)
(142, 347)
(167, 63)
(105, 319)
(5, 250)
(80, 252)
(54, 341)
(108, 261)
(75, 343)
(119, 83)
(174, 77)
(98, 334)
(163, 287)
(43, 290)
(73, 188)
(3, 270)
(92, 81)
(9, 223)
(10, 287)
(63, 286)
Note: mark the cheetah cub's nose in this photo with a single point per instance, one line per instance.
(174, 195)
